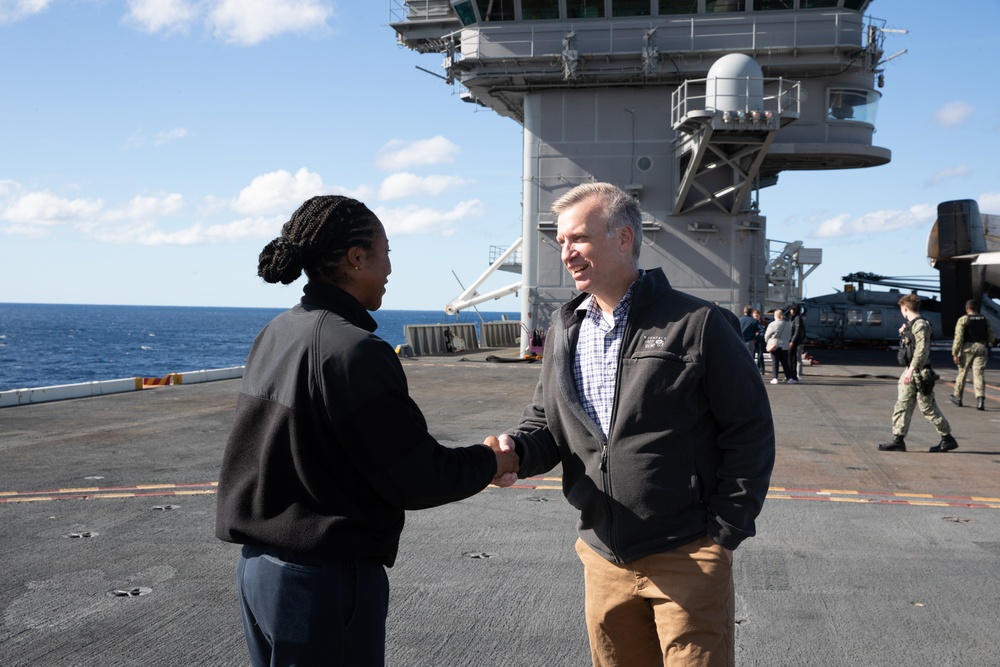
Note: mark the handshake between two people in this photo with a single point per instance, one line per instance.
(507, 461)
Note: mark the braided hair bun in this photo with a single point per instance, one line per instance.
(316, 237)
(280, 261)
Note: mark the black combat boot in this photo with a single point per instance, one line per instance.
(897, 445)
(981, 403)
(946, 445)
(957, 400)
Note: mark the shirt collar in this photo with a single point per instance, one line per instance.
(590, 304)
(589, 308)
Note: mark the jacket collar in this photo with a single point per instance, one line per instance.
(330, 297)
(650, 285)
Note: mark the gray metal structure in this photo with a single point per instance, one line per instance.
(690, 105)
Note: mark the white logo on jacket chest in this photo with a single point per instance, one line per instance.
(653, 342)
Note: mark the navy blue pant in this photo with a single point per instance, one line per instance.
(301, 611)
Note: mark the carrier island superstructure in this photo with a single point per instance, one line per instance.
(692, 106)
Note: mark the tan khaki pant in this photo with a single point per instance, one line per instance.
(974, 357)
(675, 608)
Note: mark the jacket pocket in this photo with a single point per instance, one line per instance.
(657, 375)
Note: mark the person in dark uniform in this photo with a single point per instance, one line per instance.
(971, 349)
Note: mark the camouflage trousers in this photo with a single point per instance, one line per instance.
(972, 356)
(907, 397)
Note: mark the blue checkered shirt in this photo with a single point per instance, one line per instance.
(595, 364)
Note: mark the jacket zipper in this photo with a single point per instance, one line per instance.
(606, 446)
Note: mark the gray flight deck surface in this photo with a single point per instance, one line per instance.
(862, 557)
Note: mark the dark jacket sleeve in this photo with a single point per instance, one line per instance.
(536, 449)
(386, 437)
(745, 441)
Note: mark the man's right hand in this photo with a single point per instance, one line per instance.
(507, 461)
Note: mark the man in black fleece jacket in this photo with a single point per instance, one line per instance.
(650, 401)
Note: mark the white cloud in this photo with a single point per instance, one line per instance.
(241, 22)
(420, 220)
(147, 234)
(278, 191)
(877, 222)
(154, 16)
(139, 140)
(399, 154)
(248, 228)
(43, 209)
(167, 136)
(953, 114)
(8, 186)
(261, 207)
(249, 22)
(36, 214)
(406, 184)
(283, 192)
(947, 174)
(147, 208)
(15, 10)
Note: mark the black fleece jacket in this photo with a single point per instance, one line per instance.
(327, 448)
(691, 445)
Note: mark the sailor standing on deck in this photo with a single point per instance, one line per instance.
(648, 398)
(916, 384)
(328, 450)
(971, 349)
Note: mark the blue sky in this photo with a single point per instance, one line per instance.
(150, 148)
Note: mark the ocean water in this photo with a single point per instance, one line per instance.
(43, 345)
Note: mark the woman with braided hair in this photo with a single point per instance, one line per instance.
(328, 449)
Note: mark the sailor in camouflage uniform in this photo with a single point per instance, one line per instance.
(916, 384)
(971, 349)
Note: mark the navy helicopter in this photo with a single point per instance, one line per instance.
(964, 247)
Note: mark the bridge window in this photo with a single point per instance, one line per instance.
(855, 105)
(631, 7)
(724, 6)
(539, 10)
(466, 12)
(496, 10)
(678, 7)
(585, 9)
(766, 5)
(817, 4)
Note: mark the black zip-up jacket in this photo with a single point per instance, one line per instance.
(691, 442)
(327, 448)
(798, 329)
